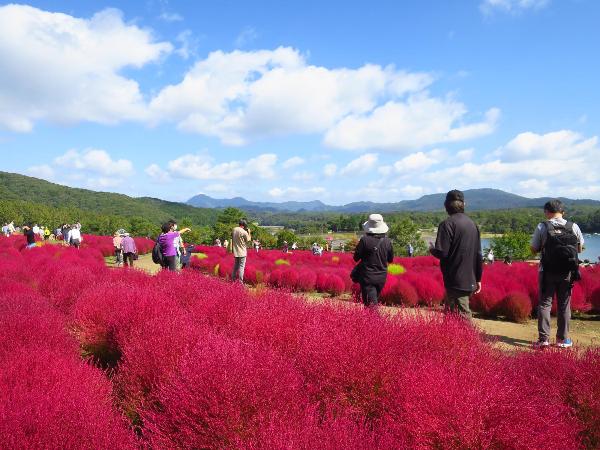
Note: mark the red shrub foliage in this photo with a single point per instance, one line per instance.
(223, 392)
(198, 362)
(516, 306)
(48, 400)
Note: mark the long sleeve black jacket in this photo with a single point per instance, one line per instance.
(458, 247)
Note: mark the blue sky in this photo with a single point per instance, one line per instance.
(299, 100)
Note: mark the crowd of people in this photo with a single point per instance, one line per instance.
(458, 247)
(69, 234)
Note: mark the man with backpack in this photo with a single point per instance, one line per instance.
(559, 241)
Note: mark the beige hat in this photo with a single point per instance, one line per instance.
(375, 224)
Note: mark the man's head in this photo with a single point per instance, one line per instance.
(243, 223)
(554, 208)
(455, 202)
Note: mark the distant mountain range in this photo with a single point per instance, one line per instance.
(476, 199)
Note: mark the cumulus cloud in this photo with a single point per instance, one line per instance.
(330, 170)
(204, 167)
(415, 162)
(563, 144)
(293, 162)
(246, 37)
(64, 69)
(418, 122)
(294, 192)
(361, 165)
(511, 6)
(95, 161)
(239, 96)
(528, 162)
(41, 171)
(157, 173)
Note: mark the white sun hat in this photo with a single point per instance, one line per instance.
(375, 224)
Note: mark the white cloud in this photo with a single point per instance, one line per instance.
(65, 69)
(534, 187)
(188, 44)
(304, 176)
(330, 170)
(157, 173)
(361, 165)
(511, 6)
(203, 167)
(246, 37)
(95, 161)
(414, 162)
(418, 122)
(295, 193)
(42, 171)
(553, 164)
(293, 162)
(240, 96)
(558, 145)
(465, 155)
(170, 17)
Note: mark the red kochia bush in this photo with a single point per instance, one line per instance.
(487, 300)
(48, 400)
(400, 292)
(516, 306)
(222, 394)
(28, 322)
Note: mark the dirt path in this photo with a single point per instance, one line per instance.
(585, 330)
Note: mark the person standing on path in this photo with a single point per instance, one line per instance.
(458, 247)
(167, 245)
(117, 239)
(239, 240)
(374, 251)
(410, 250)
(559, 241)
(129, 250)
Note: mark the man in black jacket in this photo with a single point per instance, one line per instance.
(458, 247)
(374, 251)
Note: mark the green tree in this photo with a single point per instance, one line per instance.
(404, 232)
(513, 244)
(286, 235)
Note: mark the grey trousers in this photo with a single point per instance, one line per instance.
(550, 285)
(458, 302)
(238, 268)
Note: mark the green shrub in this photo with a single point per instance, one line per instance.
(396, 269)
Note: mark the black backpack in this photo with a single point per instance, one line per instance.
(560, 250)
(157, 254)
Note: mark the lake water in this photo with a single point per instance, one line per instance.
(591, 250)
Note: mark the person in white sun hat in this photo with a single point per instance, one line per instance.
(375, 252)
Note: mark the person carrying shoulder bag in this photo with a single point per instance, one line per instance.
(375, 252)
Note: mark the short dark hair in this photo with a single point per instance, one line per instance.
(243, 222)
(554, 206)
(454, 207)
(172, 222)
(166, 227)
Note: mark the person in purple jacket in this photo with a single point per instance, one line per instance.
(167, 244)
(129, 249)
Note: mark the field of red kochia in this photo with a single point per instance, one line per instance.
(115, 358)
(508, 290)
